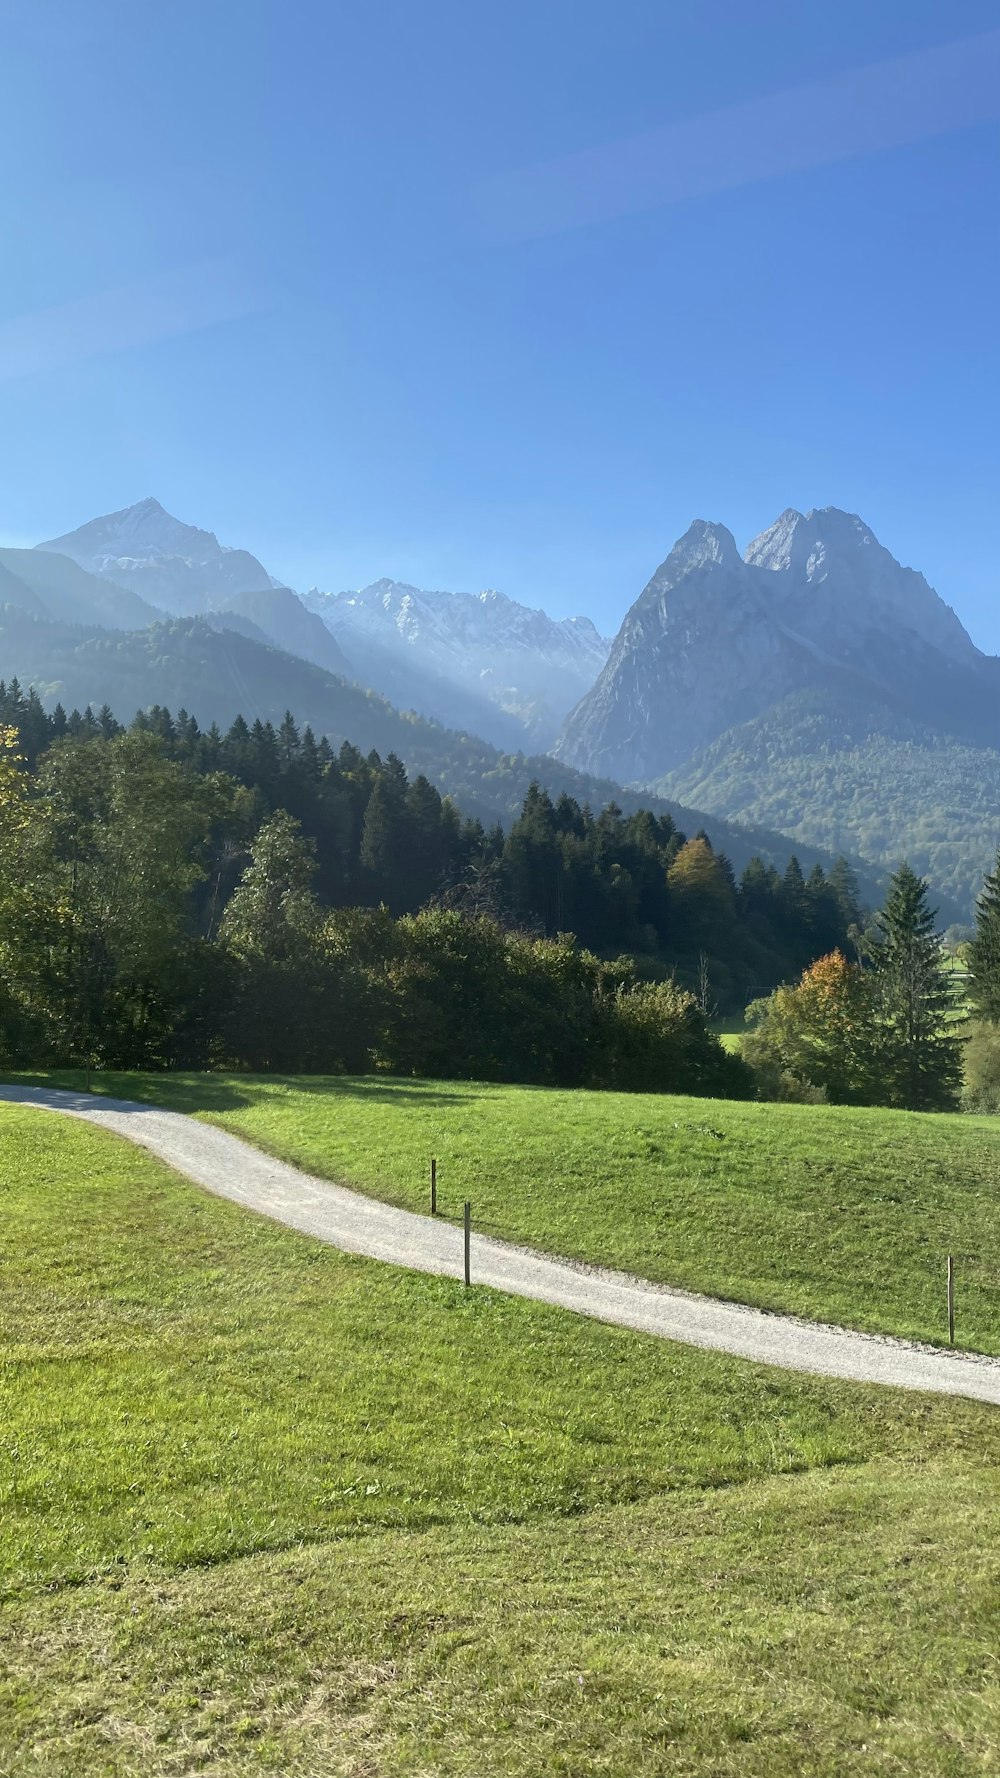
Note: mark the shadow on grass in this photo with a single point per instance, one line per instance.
(227, 1092)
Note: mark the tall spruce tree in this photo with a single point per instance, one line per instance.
(919, 1055)
(984, 951)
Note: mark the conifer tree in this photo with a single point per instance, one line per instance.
(377, 833)
(919, 1054)
(984, 951)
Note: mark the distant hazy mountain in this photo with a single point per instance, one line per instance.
(477, 661)
(482, 662)
(172, 565)
(278, 616)
(813, 683)
(53, 586)
(217, 673)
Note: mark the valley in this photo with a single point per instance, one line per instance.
(811, 694)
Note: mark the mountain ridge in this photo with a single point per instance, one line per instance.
(217, 673)
(176, 566)
(813, 684)
(511, 669)
(478, 660)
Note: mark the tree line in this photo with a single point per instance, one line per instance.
(179, 897)
(157, 915)
(620, 883)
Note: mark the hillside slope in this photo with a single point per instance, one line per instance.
(56, 587)
(218, 674)
(856, 774)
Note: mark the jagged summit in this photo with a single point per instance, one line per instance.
(716, 638)
(840, 583)
(703, 542)
(475, 659)
(796, 538)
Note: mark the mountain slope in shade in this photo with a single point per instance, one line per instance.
(279, 617)
(853, 773)
(177, 567)
(218, 674)
(56, 587)
(479, 659)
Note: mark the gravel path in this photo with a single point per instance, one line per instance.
(357, 1224)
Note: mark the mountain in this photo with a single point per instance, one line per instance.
(218, 673)
(814, 684)
(478, 660)
(172, 565)
(277, 615)
(481, 661)
(850, 774)
(54, 586)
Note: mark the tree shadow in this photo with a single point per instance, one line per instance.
(190, 1093)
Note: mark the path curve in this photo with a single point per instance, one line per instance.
(230, 1168)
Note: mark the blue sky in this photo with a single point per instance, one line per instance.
(481, 295)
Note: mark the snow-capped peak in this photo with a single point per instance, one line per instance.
(177, 567)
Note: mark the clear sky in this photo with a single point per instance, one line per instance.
(475, 294)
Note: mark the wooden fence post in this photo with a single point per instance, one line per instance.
(951, 1299)
(468, 1241)
(434, 1188)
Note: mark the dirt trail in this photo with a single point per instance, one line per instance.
(225, 1165)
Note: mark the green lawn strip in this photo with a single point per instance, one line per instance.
(826, 1624)
(183, 1381)
(845, 1215)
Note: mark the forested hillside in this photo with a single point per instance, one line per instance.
(190, 665)
(365, 834)
(858, 774)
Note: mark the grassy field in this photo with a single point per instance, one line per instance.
(730, 1031)
(841, 1214)
(265, 1508)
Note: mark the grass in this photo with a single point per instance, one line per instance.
(266, 1508)
(834, 1624)
(185, 1382)
(840, 1214)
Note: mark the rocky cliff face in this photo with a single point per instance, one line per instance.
(716, 639)
(838, 586)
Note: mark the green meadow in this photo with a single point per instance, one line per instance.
(271, 1509)
(840, 1214)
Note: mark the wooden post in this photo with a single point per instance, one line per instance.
(951, 1299)
(468, 1241)
(88, 1078)
(434, 1187)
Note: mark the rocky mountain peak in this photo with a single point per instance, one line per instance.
(715, 638)
(839, 585)
(805, 541)
(703, 543)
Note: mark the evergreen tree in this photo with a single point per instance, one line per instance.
(919, 1054)
(376, 834)
(984, 951)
